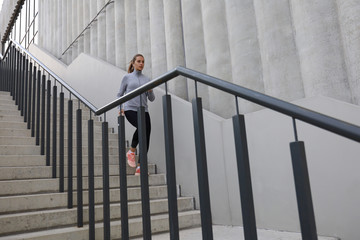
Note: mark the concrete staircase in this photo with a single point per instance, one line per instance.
(31, 206)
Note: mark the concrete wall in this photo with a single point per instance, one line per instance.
(287, 49)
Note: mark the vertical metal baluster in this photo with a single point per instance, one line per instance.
(203, 180)
(38, 110)
(79, 166)
(123, 179)
(18, 74)
(54, 129)
(14, 73)
(303, 189)
(106, 191)
(13, 70)
(6, 70)
(91, 179)
(48, 120)
(61, 141)
(244, 177)
(9, 72)
(43, 113)
(29, 97)
(22, 86)
(70, 153)
(2, 74)
(144, 174)
(26, 83)
(170, 168)
(33, 104)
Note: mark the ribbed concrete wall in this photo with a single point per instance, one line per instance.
(285, 48)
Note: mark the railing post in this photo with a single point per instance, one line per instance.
(13, 69)
(48, 116)
(54, 128)
(303, 191)
(43, 112)
(145, 199)
(29, 96)
(33, 103)
(106, 191)
(18, 76)
(123, 179)
(203, 180)
(170, 168)
(26, 83)
(22, 87)
(70, 154)
(38, 110)
(91, 180)
(244, 176)
(61, 142)
(1, 76)
(79, 167)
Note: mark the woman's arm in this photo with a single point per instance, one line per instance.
(122, 87)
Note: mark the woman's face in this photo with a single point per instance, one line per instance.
(139, 63)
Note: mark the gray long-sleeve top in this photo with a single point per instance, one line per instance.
(130, 82)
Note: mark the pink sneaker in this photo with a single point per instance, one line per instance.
(131, 158)
(137, 172)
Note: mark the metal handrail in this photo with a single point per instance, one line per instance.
(331, 124)
(87, 27)
(56, 77)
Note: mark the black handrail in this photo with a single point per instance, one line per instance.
(77, 95)
(331, 124)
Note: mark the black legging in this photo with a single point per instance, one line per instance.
(131, 116)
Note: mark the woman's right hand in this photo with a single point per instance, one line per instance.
(121, 112)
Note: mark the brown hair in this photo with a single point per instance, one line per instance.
(131, 67)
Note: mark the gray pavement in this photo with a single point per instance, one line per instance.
(232, 233)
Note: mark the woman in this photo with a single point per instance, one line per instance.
(131, 81)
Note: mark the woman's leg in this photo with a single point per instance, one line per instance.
(131, 116)
(148, 129)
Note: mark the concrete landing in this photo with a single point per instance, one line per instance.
(232, 233)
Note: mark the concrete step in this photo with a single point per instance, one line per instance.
(7, 101)
(32, 221)
(4, 93)
(40, 172)
(11, 118)
(13, 125)
(9, 132)
(17, 141)
(19, 123)
(22, 160)
(8, 107)
(13, 112)
(19, 150)
(33, 186)
(159, 223)
(39, 160)
(37, 202)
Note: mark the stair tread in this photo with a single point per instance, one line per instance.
(85, 206)
(115, 225)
